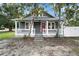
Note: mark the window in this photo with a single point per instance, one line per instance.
(51, 25)
(22, 25)
(27, 25)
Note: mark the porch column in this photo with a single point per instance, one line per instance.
(47, 27)
(19, 25)
(15, 27)
(25, 24)
(31, 28)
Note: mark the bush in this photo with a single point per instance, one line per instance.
(26, 37)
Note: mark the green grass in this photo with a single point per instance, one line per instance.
(6, 35)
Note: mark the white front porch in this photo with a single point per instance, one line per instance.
(48, 31)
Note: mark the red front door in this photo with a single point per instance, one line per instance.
(42, 25)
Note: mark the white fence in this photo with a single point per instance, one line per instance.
(71, 31)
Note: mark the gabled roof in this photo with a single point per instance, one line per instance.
(44, 12)
(46, 17)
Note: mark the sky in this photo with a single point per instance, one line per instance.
(49, 9)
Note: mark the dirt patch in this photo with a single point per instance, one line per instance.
(47, 47)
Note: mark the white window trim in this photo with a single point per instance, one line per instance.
(51, 24)
(25, 24)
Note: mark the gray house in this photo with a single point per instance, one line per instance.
(44, 24)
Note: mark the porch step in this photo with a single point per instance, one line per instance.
(38, 37)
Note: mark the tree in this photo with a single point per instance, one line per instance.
(11, 11)
(57, 8)
(36, 10)
(3, 21)
(71, 13)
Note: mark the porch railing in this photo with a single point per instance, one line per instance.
(49, 31)
(52, 31)
(25, 31)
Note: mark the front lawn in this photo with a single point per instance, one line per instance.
(6, 35)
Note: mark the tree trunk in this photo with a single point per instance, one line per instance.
(58, 28)
(10, 28)
(30, 28)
